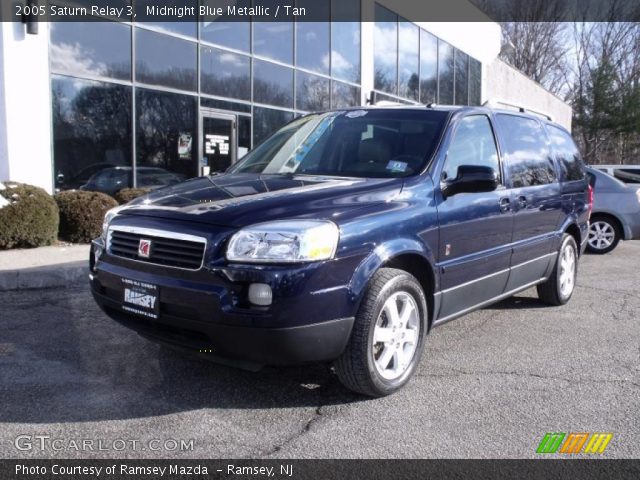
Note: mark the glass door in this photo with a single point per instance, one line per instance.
(218, 141)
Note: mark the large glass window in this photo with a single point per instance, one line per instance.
(79, 48)
(445, 73)
(165, 60)
(408, 60)
(462, 78)
(428, 67)
(473, 144)
(274, 39)
(475, 81)
(312, 92)
(91, 132)
(385, 50)
(266, 121)
(166, 129)
(272, 84)
(312, 38)
(567, 154)
(344, 95)
(157, 20)
(225, 74)
(220, 31)
(528, 159)
(345, 40)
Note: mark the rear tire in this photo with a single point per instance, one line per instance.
(388, 335)
(557, 290)
(604, 234)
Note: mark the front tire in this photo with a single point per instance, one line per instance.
(388, 335)
(557, 290)
(604, 234)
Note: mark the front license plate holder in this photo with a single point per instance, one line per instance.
(140, 298)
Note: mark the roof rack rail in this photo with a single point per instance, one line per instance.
(434, 104)
(491, 102)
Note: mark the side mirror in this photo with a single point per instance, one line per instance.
(471, 178)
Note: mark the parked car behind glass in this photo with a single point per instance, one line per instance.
(112, 180)
(348, 235)
(616, 212)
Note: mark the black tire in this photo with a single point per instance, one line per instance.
(355, 367)
(608, 224)
(551, 291)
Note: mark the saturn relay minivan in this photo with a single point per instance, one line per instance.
(346, 236)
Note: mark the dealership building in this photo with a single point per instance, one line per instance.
(107, 105)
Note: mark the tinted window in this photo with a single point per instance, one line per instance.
(475, 82)
(165, 60)
(386, 50)
(224, 73)
(428, 67)
(627, 175)
(312, 38)
(80, 49)
(473, 144)
(408, 60)
(345, 41)
(274, 39)
(184, 27)
(91, 129)
(527, 155)
(566, 153)
(272, 84)
(344, 95)
(312, 92)
(234, 35)
(445, 73)
(266, 121)
(376, 143)
(166, 137)
(462, 78)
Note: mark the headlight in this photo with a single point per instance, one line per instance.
(110, 215)
(284, 241)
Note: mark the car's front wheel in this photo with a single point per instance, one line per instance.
(604, 234)
(388, 335)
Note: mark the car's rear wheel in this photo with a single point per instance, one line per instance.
(604, 234)
(557, 290)
(388, 335)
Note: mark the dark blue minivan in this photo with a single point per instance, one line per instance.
(346, 236)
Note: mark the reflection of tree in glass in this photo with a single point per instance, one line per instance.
(162, 117)
(313, 93)
(181, 78)
(92, 126)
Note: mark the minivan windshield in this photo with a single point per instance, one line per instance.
(373, 143)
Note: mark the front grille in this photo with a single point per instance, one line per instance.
(169, 249)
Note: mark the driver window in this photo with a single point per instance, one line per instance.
(473, 144)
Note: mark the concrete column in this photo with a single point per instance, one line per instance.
(25, 106)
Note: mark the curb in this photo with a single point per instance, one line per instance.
(63, 275)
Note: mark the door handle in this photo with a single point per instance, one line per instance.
(522, 201)
(505, 204)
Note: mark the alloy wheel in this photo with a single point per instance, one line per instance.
(601, 235)
(567, 270)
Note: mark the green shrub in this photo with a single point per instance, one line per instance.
(28, 216)
(82, 213)
(127, 194)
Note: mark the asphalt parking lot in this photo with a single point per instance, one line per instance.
(490, 384)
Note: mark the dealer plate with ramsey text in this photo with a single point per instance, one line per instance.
(140, 298)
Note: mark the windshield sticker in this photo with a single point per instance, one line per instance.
(396, 166)
(356, 113)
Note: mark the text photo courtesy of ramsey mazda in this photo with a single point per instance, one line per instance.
(346, 236)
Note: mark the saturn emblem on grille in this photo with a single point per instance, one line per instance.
(144, 248)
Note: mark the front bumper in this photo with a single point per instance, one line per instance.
(310, 319)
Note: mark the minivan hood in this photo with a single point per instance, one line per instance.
(243, 199)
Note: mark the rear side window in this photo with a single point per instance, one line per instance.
(567, 154)
(627, 175)
(473, 144)
(526, 152)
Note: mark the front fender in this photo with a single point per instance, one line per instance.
(383, 254)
